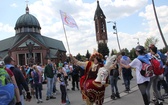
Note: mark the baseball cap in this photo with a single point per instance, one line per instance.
(140, 48)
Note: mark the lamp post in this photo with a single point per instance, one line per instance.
(137, 40)
(115, 28)
(164, 41)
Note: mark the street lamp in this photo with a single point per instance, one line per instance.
(115, 28)
(138, 40)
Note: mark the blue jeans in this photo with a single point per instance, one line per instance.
(50, 82)
(38, 88)
(54, 83)
(126, 77)
(63, 93)
(113, 83)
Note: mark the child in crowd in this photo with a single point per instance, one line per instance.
(37, 81)
(61, 79)
(114, 73)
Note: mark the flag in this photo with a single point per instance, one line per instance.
(68, 20)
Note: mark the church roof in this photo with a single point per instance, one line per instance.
(52, 44)
(6, 44)
(27, 20)
(52, 54)
(99, 13)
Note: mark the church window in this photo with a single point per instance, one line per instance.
(102, 27)
(33, 29)
(26, 29)
(22, 29)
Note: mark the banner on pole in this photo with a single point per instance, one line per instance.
(68, 20)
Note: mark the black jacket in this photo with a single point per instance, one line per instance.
(20, 80)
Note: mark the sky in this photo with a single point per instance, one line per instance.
(134, 20)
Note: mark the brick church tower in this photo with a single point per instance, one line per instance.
(100, 25)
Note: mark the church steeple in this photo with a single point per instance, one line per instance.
(98, 13)
(100, 25)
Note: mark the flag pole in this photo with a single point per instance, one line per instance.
(67, 20)
(66, 38)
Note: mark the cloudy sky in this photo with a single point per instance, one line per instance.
(134, 18)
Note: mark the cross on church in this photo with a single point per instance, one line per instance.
(27, 1)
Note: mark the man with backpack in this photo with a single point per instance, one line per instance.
(20, 80)
(8, 83)
(155, 57)
(143, 82)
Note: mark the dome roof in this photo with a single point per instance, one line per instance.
(27, 20)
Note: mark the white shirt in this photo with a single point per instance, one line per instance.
(137, 64)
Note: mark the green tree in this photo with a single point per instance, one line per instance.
(78, 56)
(164, 50)
(126, 51)
(114, 52)
(88, 54)
(132, 53)
(103, 49)
(151, 40)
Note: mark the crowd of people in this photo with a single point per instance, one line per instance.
(28, 79)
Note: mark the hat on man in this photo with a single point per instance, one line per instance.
(8, 60)
(140, 49)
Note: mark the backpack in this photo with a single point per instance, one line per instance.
(157, 67)
(35, 77)
(147, 70)
(6, 88)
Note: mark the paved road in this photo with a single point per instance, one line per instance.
(132, 98)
